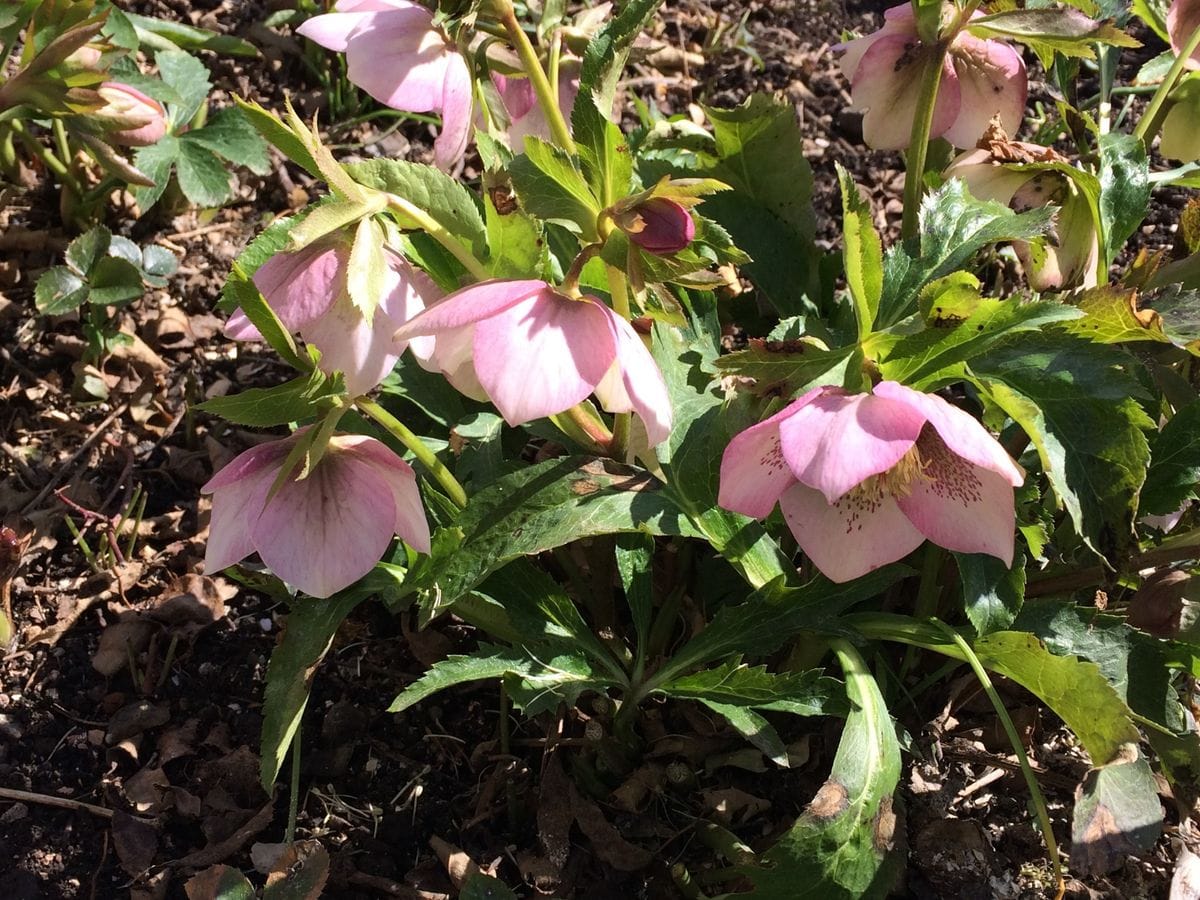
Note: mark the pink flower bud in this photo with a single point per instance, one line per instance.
(1183, 19)
(661, 226)
(137, 120)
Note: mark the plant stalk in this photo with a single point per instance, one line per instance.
(1147, 127)
(918, 145)
(621, 421)
(547, 98)
(424, 455)
(435, 230)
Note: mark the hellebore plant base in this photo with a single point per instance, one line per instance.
(971, 433)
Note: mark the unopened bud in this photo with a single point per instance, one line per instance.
(136, 120)
(660, 226)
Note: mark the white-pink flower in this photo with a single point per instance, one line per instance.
(536, 352)
(307, 290)
(136, 120)
(525, 114)
(395, 54)
(864, 479)
(323, 533)
(1183, 21)
(980, 79)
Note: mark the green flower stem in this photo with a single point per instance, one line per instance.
(621, 421)
(1039, 801)
(289, 834)
(1148, 126)
(928, 595)
(918, 145)
(547, 98)
(424, 455)
(52, 162)
(577, 423)
(427, 223)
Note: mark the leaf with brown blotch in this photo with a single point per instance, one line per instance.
(1117, 813)
(300, 873)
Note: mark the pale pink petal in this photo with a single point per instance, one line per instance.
(634, 382)
(239, 490)
(471, 304)
(517, 94)
(324, 533)
(992, 81)
(837, 440)
(453, 355)
(250, 463)
(300, 287)
(457, 114)
(887, 85)
(984, 178)
(400, 60)
(852, 537)
(333, 30)
(960, 506)
(411, 523)
(753, 470)
(239, 328)
(897, 20)
(364, 353)
(373, 5)
(543, 355)
(960, 431)
(1183, 20)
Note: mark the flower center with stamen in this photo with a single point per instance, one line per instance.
(896, 481)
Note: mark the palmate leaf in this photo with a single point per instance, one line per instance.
(292, 401)
(992, 592)
(1077, 404)
(954, 227)
(1174, 463)
(551, 186)
(604, 58)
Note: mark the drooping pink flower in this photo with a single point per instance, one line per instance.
(536, 352)
(1183, 21)
(660, 226)
(307, 290)
(323, 533)
(980, 79)
(864, 479)
(1069, 257)
(135, 119)
(395, 54)
(525, 114)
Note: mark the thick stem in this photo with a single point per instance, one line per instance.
(918, 145)
(427, 223)
(289, 835)
(424, 455)
(547, 98)
(1148, 126)
(621, 421)
(581, 425)
(43, 153)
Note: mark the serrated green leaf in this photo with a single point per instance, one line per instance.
(954, 226)
(1110, 316)
(114, 281)
(551, 186)
(635, 565)
(1076, 402)
(158, 263)
(231, 135)
(271, 127)
(307, 636)
(608, 164)
(842, 846)
(769, 212)
(1065, 31)
(516, 244)
(1154, 14)
(992, 592)
(919, 359)
(188, 77)
(87, 249)
(754, 728)
(156, 163)
(127, 250)
(435, 192)
(271, 240)
(787, 367)
(1117, 814)
(203, 178)
(862, 255)
(59, 291)
(736, 684)
(293, 401)
(178, 34)
(1174, 464)
(539, 508)
(546, 666)
(1124, 190)
(606, 53)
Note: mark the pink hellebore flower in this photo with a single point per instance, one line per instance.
(864, 479)
(662, 226)
(980, 79)
(138, 120)
(307, 290)
(535, 352)
(525, 114)
(1067, 259)
(394, 53)
(1183, 21)
(325, 532)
